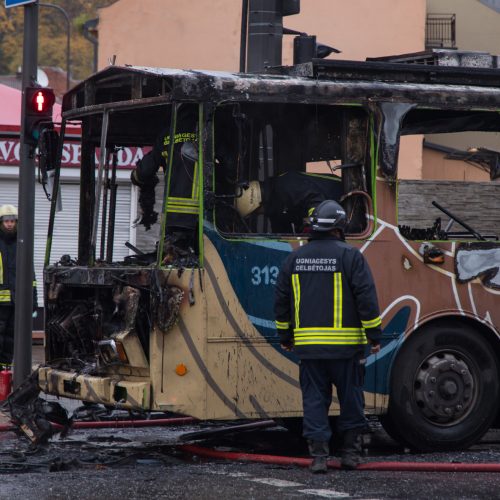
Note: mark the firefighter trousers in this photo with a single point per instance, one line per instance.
(6, 334)
(316, 379)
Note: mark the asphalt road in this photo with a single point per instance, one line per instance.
(145, 463)
(142, 463)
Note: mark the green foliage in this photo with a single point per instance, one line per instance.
(52, 36)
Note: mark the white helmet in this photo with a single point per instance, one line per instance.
(8, 212)
(250, 199)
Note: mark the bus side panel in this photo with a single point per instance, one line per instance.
(177, 355)
(266, 381)
(240, 294)
(412, 292)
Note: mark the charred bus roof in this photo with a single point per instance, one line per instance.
(318, 81)
(453, 92)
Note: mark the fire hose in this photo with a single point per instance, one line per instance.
(113, 424)
(333, 464)
(276, 459)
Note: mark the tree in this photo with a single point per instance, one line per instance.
(52, 36)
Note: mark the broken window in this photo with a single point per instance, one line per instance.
(275, 162)
(447, 187)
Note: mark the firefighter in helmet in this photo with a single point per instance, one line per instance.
(8, 244)
(182, 205)
(326, 310)
(287, 199)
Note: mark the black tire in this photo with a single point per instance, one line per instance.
(392, 429)
(444, 389)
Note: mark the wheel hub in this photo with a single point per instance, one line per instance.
(444, 388)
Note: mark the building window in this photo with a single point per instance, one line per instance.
(440, 31)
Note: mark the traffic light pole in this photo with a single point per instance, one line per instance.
(23, 322)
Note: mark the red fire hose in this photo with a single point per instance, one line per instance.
(275, 459)
(112, 424)
(332, 464)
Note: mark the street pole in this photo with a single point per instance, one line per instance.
(23, 320)
(68, 38)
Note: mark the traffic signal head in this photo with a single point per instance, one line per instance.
(39, 102)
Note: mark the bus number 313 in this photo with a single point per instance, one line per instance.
(264, 275)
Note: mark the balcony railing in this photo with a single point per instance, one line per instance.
(440, 31)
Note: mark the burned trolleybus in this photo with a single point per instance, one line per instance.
(190, 329)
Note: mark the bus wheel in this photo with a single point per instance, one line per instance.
(445, 388)
(392, 429)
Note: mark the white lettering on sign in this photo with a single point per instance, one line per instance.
(124, 157)
(66, 156)
(5, 149)
(139, 155)
(75, 154)
(71, 154)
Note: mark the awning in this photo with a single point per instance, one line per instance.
(10, 109)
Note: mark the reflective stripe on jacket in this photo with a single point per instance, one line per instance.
(8, 247)
(326, 297)
(7, 267)
(184, 183)
(183, 199)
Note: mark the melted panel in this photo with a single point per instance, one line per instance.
(476, 260)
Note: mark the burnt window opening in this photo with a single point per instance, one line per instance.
(275, 162)
(145, 132)
(451, 192)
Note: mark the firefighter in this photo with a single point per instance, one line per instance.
(182, 207)
(326, 310)
(288, 198)
(8, 244)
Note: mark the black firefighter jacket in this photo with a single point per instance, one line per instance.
(326, 299)
(290, 197)
(182, 206)
(8, 246)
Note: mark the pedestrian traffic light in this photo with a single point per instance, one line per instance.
(39, 102)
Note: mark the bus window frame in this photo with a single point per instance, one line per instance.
(370, 163)
(176, 106)
(455, 113)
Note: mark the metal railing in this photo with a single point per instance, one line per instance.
(440, 31)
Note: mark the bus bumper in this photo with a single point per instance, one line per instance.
(105, 390)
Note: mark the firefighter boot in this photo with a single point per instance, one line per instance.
(319, 451)
(351, 451)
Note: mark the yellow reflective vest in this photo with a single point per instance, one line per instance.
(326, 300)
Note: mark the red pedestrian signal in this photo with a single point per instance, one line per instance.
(39, 102)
